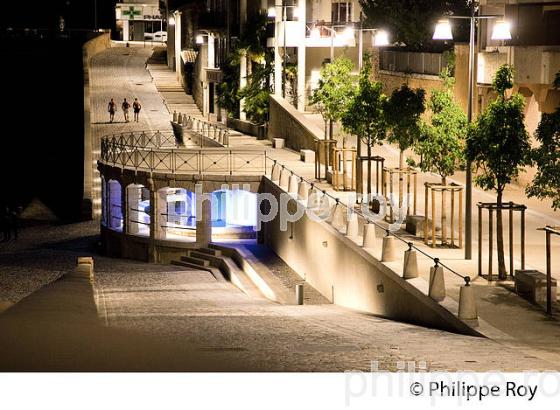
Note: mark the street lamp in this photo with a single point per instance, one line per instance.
(442, 31)
(379, 38)
(272, 14)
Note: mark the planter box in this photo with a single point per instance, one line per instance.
(248, 128)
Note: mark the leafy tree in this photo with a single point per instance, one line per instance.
(365, 115)
(403, 111)
(335, 91)
(228, 89)
(257, 93)
(441, 142)
(546, 183)
(410, 21)
(498, 145)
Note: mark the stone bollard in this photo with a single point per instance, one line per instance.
(324, 210)
(467, 302)
(299, 294)
(337, 220)
(352, 226)
(410, 267)
(313, 200)
(284, 178)
(275, 175)
(369, 236)
(84, 268)
(302, 190)
(293, 184)
(388, 249)
(175, 116)
(437, 283)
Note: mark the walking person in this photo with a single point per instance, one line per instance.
(136, 106)
(111, 108)
(125, 108)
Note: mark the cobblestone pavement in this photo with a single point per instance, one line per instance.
(192, 314)
(191, 308)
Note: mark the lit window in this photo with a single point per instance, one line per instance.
(342, 12)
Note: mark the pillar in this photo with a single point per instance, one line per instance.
(124, 207)
(203, 220)
(133, 198)
(154, 223)
(301, 56)
(126, 30)
(277, 57)
(178, 45)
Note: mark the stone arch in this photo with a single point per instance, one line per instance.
(177, 214)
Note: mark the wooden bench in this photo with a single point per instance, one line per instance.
(531, 284)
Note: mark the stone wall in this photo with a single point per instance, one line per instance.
(89, 50)
(288, 123)
(349, 276)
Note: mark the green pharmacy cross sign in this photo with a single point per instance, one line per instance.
(131, 13)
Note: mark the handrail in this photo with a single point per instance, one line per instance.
(411, 245)
(203, 128)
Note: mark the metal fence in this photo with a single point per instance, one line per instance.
(157, 152)
(412, 62)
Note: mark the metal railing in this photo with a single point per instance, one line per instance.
(153, 152)
(549, 230)
(203, 128)
(382, 226)
(412, 62)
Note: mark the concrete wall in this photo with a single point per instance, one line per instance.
(349, 276)
(288, 123)
(89, 50)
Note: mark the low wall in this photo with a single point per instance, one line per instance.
(89, 50)
(349, 276)
(247, 127)
(288, 123)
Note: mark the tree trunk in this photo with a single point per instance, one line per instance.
(401, 178)
(359, 173)
(443, 213)
(331, 129)
(369, 170)
(502, 274)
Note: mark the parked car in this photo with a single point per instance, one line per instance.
(158, 36)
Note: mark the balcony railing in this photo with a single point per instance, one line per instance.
(153, 152)
(412, 62)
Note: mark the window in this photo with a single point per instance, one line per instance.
(342, 12)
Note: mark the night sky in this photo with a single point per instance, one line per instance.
(79, 14)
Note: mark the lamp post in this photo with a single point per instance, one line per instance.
(272, 14)
(442, 31)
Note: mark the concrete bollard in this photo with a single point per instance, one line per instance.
(388, 249)
(275, 175)
(467, 302)
(302, 190)
(369, 236)
(352, 226)
(284, 179)
(410, 266)
(313, 200)
(324, 210)
(437, 283)
(174, 116)
(293, 184)
(299, 294)
(337, 219)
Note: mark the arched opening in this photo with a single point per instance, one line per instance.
(114, 214)
(234, 214)
(177, 207)
(138, 210)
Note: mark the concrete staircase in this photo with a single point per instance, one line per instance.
(171, 90)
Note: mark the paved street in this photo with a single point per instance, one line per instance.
(156, 317)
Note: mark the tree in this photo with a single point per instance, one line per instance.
(365, 115)
(546, 183)
(410, 22)
(441, 143)
(257, 93)
(335, 91)
(228, 89)
(498, 145)
(403, 111)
